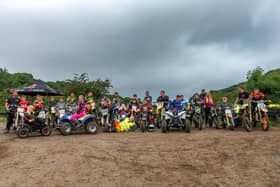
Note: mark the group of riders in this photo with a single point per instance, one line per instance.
(202, 103)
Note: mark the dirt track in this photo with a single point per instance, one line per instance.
(207, 158)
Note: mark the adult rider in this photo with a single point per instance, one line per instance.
(242, 98)
(176, 104)
(10, 106)
(163, 98)
(254, 97)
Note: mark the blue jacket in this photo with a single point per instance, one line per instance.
(176, 105)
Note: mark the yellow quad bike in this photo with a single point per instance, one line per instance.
(261, 114)
(243, 116)
(160, 113)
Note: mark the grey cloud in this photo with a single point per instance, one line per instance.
(180, 46)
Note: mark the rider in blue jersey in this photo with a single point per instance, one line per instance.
(176, 104)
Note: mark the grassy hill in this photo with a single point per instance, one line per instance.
(268, 83)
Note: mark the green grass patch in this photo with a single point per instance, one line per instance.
(3, 119)
(275, 123)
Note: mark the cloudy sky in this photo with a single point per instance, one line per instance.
(180, 45)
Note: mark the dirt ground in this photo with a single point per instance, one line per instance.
(208, 158)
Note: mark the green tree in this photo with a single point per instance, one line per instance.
(255, 79)
(81, 85)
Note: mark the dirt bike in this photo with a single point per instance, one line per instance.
(261, 114)
(59, 114)
(114, 117)
(227, 118)
(135, 112)
(66, 125)
(197, 116)
(12, 110)
(71, 108)
(213, 117)
(144, 122)
(242, 117)
(93, 110)
(105, 120)
(19, 117)
(51, 115)
(176, 119)
(160, 113)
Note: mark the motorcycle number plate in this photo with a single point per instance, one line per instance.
(20, 110)
(61, 113)
(261, 105)
(197, 109)
(228, 112)
(53, 110)
(42, 115)
(134, 108)
(104, 112)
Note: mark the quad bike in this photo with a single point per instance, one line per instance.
(227, 118)
(39, 125)
(242, 117)
(197, 116)
(213, 117)
(144, 122)
(175, 119)
(87, 122)
(261, 115)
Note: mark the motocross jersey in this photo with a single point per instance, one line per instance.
(103, 103)
(243, 97)
(133, 102)
(164, 99)
(149, 99)
(176, 105)
(89, 99)
(196, 102)
(60, 105)
(257, 97)
(51, 104)
(116, 101)
(24, 104)
(145, 108)
(13, 101)
(224, 105)
(71, 100)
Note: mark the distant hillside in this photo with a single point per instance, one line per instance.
(268, 83)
